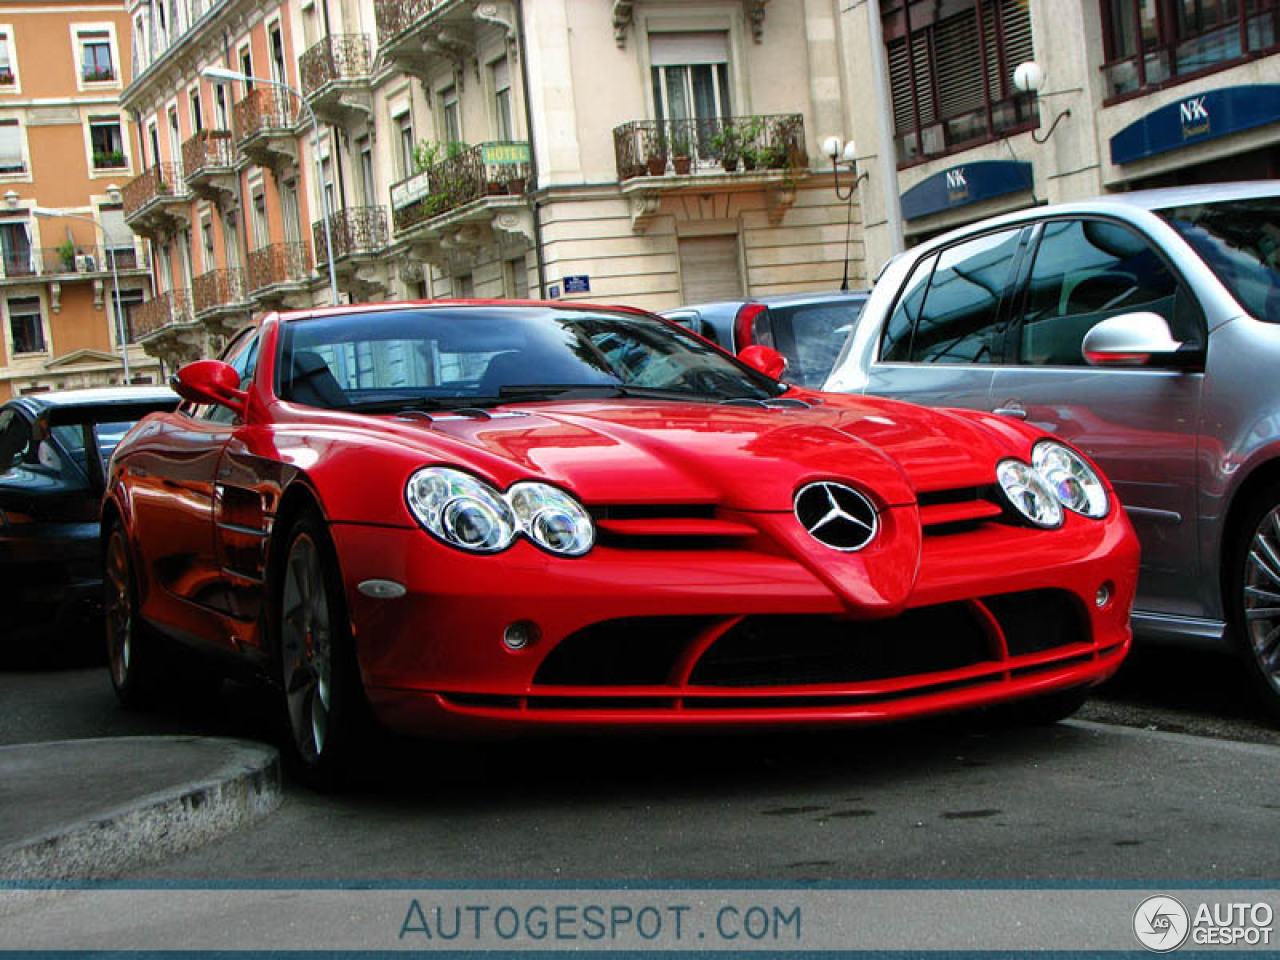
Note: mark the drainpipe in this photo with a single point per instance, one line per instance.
(522, 50)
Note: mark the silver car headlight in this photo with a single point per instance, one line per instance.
(1029, 493)
(552, 519)
(1076, 484)
(461, 510)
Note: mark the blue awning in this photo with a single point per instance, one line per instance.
(1195, 119)
(965, 184)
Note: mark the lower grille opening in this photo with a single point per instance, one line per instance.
(1038, 620)
(785, 651)
(638, 651)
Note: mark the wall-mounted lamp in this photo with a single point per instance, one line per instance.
(1028, 77)
(847, 154)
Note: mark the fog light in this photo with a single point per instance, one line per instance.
(519, 635)
(1104, 595)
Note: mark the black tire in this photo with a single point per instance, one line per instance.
(133, 654)
(326, 718)
(1252, 597)
(1043, 710)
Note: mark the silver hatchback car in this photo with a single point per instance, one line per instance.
(1145, 328)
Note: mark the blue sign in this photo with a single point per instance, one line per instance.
(1194, 119)
(580, 283)
(553, 292)
(965, 184)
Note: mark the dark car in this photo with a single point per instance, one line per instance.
(53, 453)
(809, 329)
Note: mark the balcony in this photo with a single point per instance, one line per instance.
(335, 78)
(414, 33)
(715, 154)
(220, 299)
(209, 162)
(359, 243)
(463, 199)
(264, 126)
(156, 203)
(279, 275)
(164, 316)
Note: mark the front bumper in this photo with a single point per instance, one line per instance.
(730, 637)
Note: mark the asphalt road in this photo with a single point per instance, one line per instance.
(943, 800)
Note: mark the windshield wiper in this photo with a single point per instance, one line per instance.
(412, 402)
(591, 391)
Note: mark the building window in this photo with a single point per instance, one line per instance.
(246, 67)
(364, 148)
(261, 235)
(276, 39)
(404, 129)
(500, 71)
(450, 120)
(123, 315)
(210, 260)
(96, 64)
(197, 114)
(7, 78)
(1151, 43)
(690, 73)
(951, 68)
(118, 237)
(11, 153)
(107, 143)
(26, 325)
(220, 114)
(15, 248)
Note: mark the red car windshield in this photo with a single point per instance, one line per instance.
(1240, 241)
(477, 356)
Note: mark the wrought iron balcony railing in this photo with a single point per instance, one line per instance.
(652, 148)
(263, 111)
(337, 58)
(355, 230)
(71, 260)
(394, 17)
(219, 288)
(277, 264)
(207, 150)
(160, 311)
(161, 181)
(487, 169)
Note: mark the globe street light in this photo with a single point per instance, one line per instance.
(224, 75)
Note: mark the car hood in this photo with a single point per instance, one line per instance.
(740, 457)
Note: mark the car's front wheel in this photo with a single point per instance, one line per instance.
(131, 648)
(1253, 601)
(325, 710)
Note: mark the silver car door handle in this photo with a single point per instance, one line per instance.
(1016, 412)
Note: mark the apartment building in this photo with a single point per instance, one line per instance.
(1122, 94)
(65, 152)
(652, 153)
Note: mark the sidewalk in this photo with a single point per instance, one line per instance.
(91, 809)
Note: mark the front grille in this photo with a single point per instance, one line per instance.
(959, 509)
(689, 654)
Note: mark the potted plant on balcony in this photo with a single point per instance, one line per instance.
(681, 156)
(655, 161)
(726, 144)
(67, 252)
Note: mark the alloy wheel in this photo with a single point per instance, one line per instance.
(118, 601)
(306, 648)
(1262, 597)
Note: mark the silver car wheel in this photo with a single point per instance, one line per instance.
(306, 648)
(118, 603)
(1262, 597)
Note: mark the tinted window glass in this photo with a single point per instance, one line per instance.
(242, 355)
(15, 439)
(960, 319)
(815, 333)
(896, 346)
(1240, 241)
(1084, 272)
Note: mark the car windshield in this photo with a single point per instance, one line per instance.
(107, 435)
(818, 332)
(441, 357)
(1240, 241)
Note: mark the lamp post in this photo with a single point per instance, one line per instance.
(224, 75)
(52, 212)
(847, 154)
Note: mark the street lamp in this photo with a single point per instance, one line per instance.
(224, 75)
(52, 212)
(847, 154)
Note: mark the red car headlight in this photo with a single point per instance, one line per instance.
(1029, 493)
(1076, 484)
(465, 512)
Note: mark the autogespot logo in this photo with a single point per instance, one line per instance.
(1161, 924)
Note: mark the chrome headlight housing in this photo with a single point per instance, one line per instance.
(552, 518)
(1029, 493)
(465, 512)
(1076, 484)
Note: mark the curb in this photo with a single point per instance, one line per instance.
(241, 785)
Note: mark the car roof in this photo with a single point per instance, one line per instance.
(779, 299)
(95, 397)
(1119, 204)
(382, 306)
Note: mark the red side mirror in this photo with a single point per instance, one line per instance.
(210, 381)
(765, 359)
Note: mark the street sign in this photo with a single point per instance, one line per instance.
(579, 283)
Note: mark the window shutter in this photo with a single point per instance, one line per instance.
(900, 82)
(685, 49)
(1014, 25)
(959, 58)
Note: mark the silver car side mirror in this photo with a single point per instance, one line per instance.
(1129, 340)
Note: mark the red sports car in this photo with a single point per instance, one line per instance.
(488, 517)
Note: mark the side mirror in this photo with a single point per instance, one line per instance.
(210, 381)
(764, 359)
(1129, 340)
